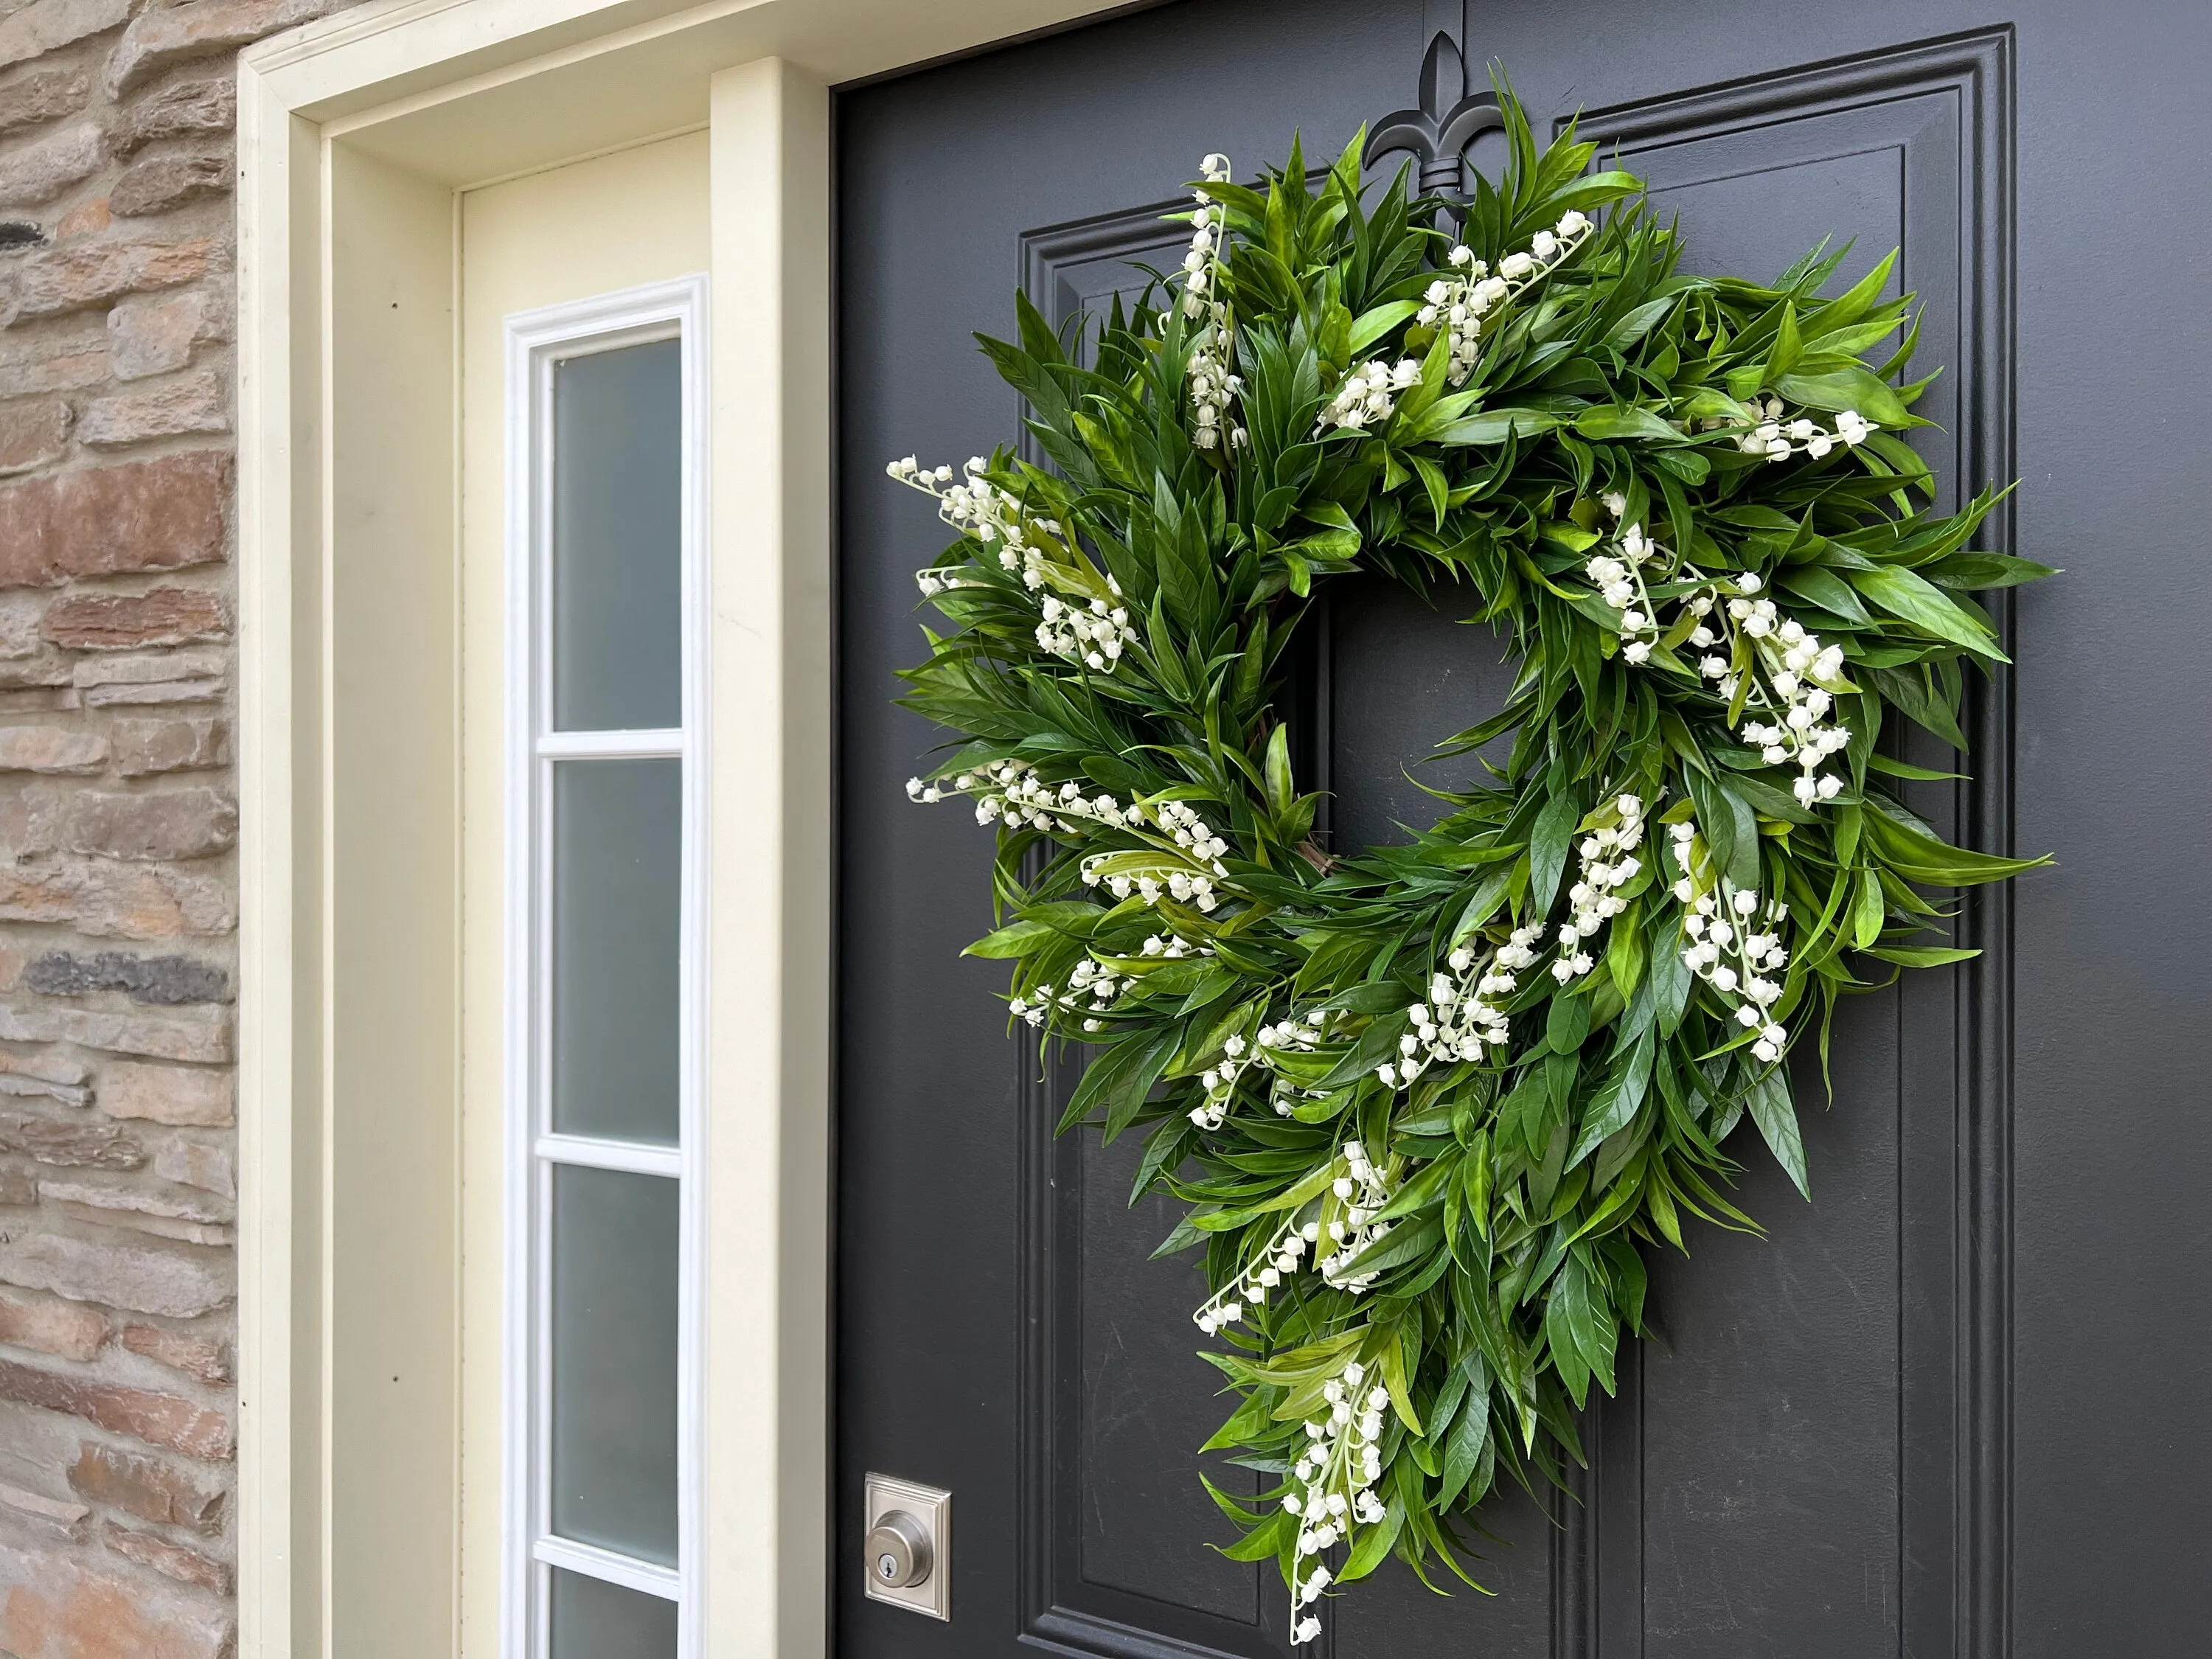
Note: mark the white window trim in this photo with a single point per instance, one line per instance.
(535, 341)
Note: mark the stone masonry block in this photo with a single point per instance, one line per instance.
(41, 170)
(161, 182)
(33, 432)
(138, 515)
(182, 408)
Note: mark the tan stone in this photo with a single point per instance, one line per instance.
(64, 355)
(208, 105)
(186, 1565)
(161, 692)
(138, 515)
(18, 1187)
(68, 1330)
(40, 171)
(85, 219)
(172, 1282)
(47, 1068)
(167, 1094)
(186, 823)
(112, 901)
(123, 622)
(49, 1515)
(41, 27)
(194, 404)
(52, 1606)
(201, 1356)
(76, 277)
(148, 1488)
(72, 1143)
(33, 432)
(150, 668)
(161, 182)
(163, 35)
(159, 1419)
(154, 337)
(143, 746)
(40, 95)
(51, 748)
(196, 1034)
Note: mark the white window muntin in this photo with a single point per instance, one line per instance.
(535, 343)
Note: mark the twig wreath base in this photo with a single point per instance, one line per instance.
(1426, 1105)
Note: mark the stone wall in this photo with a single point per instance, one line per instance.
(117, 820)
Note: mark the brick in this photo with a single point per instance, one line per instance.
(162, 35)
(195, 405)
(186, 823)
(168, 1094)
(154, 337)
(128, 621)
(41, 27)
(51, 748)
(138, 515)
(52, 1606)
(68, 1330)
(41, 170)
(186, 1566)
(33, 432)
(211, 1166)
(163, 692)
(143, 746)
(196, 1035)
(41, 95)
(160, 980)
(148, 1488)
(77, 277)
(151, 667)
(183, 107)
(200, 1356)
(65, 1093)
(48, 670)
(161, 182)
(112, 901)
(159, 1419)
(47, 1068)
(171, 1282)
(65, 354)
(61, 1141)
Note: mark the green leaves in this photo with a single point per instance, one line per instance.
(1446, 1093)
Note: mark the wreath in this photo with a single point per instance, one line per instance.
(1427, 1103)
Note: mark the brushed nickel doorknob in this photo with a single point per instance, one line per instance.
(899, 1551)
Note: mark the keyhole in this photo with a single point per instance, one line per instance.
(887, 1565)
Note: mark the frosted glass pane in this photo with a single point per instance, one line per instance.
(614, 1361)
(593, 1619)
(617, 540)
(618, 844)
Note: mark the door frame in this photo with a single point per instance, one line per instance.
(357, 134)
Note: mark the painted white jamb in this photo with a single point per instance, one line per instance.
(535, 341)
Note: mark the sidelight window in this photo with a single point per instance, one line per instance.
(605, 500)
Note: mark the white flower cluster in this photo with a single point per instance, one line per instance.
(1214, 383)
(1095, 636)
(1012, 791)
(1460, 299)
(1087, 978)
(1464, 1018)
(1618, 578)
(1792, 671)
(1369, 393)
(1343, 1461)
(1779, 440)
(977, 507)
(1361, 1191)
(1284, 1253)
(1286, 1035)
(1735, 945)
(1191, 833)
(1608, 864)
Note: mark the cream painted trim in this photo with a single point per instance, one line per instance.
(431, 94)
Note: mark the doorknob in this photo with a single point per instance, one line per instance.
(899, 1551)
(907, 1545)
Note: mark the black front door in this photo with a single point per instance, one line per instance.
(1951, 1407)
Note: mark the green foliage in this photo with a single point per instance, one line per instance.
(1523, 1186)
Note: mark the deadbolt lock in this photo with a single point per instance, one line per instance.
(899, 1551)
(906, 1547)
